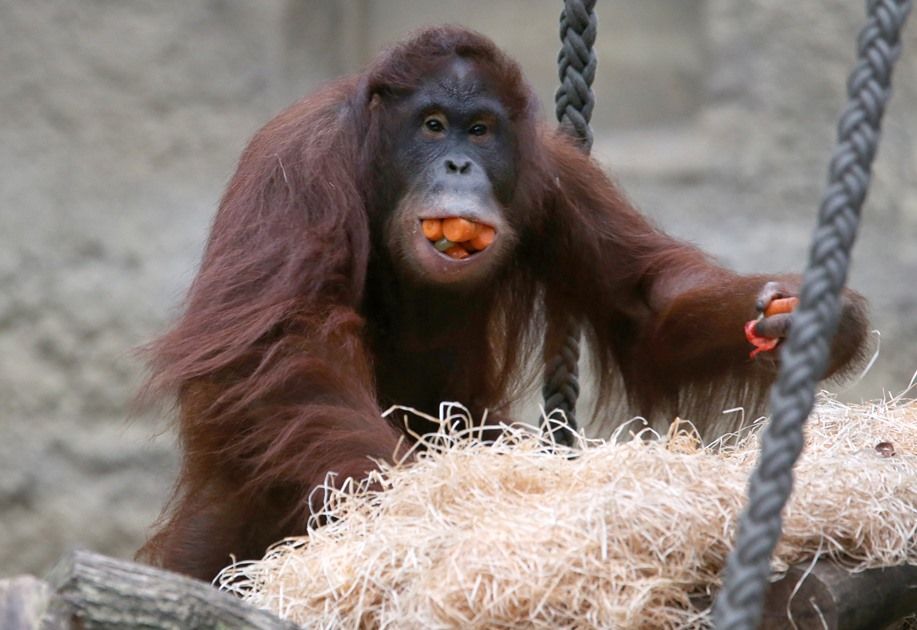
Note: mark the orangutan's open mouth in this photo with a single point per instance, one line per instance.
(456, 237)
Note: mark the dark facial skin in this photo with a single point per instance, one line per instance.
(453, 156)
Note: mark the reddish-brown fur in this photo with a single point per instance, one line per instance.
(297, 333)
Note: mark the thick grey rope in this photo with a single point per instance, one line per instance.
(576, 64)
(804, 357)
(574, 101)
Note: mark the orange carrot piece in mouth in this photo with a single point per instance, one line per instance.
(459, 230)
(458, 252)
(457, 237)
(432, 229)
(484, 238)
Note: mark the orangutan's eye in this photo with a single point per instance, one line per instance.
(478, 129)
(434, 124)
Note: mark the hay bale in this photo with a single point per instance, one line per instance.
(627, 534)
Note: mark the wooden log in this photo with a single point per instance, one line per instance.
(87, 590)
(23, 601)
(94, 591)
(830, 597)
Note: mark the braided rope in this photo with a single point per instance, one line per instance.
(574, 100)
(804, 357)
(576, 64)
(561, 386)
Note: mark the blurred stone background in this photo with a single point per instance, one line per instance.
(120, 122)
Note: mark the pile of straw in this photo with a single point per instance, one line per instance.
(626, 534)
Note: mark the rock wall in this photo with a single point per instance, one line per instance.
(121, 122)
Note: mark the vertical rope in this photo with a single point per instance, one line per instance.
(576, 64)
(574, 102)
(804, 357)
